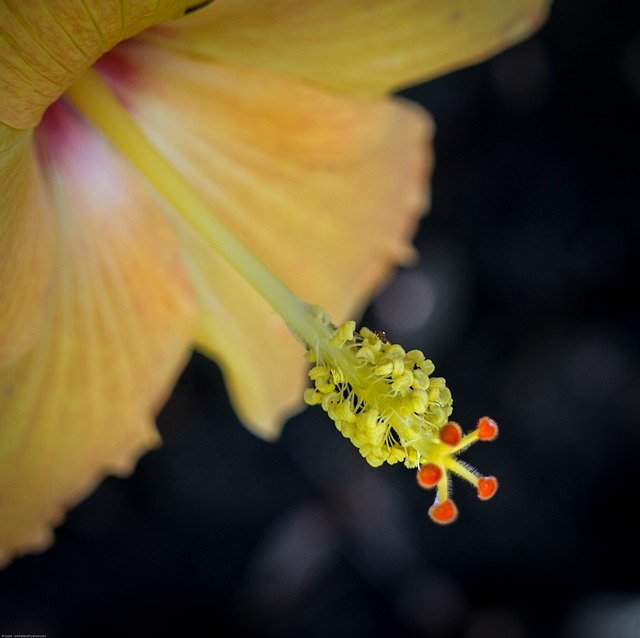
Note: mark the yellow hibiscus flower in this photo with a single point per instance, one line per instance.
(270, 116)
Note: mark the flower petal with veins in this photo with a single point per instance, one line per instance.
(365, 47)
(45, 46)
(116, 334)
(27, 244)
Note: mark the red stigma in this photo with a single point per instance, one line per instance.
(487, 487)
(440, 461)
(443, 513)
(429, 475)
(487, 429)
(451, 433)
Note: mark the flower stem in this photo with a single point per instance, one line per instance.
(95, 100)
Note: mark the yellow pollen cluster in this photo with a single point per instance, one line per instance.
(380, 397)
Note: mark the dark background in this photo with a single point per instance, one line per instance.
(526, 299)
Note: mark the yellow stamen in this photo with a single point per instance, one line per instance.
(380, 397)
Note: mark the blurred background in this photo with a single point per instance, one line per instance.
(527, 300)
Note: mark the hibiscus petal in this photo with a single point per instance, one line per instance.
(116, 334)
(326, 190)
(26, 245)
(365, 47)
(45, 46)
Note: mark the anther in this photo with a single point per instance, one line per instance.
(429, 475)
(451, 433)
(487, 487)
(487, 429)
(443, 513)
